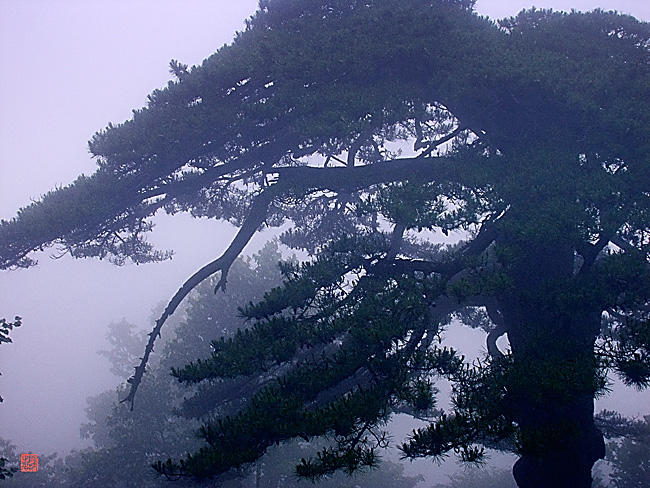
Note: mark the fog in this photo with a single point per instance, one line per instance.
(69, 68)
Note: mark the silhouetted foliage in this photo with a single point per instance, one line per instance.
(5, 329)
(6, 451)
(132, 440)
(628, 458)
(6, 471)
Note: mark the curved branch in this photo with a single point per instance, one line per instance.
(500, 329)
(309, 178)
(255, 219)
(363, 376)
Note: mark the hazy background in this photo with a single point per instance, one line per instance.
(68, 67)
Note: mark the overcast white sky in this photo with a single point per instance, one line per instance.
(68, 68)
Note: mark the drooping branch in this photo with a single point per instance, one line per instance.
(363, 377)
(305, 179)
(255, 219)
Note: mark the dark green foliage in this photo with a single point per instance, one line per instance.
(136, 439)
(615, 426)
(133, 440)
(626, 348)
(309, 349)
(275, 96)
(5, 328)
(479, 417)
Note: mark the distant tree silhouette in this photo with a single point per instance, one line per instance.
(629, 456)
(6, 471)
(480, 478)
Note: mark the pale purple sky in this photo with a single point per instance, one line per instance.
(68, 68)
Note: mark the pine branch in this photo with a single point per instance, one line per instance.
(302, 178)
(255, 219)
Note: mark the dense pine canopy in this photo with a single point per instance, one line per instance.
(364, 124)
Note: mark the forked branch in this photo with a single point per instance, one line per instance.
(295, 179)
(255, 219)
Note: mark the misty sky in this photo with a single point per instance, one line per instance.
(68, 68)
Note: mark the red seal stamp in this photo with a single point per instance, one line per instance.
(29, 463)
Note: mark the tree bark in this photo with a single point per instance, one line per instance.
(553, 378)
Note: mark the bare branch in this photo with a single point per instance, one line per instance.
(363, 376)
(303, 178)
(396, 240)
(439, 142)
(223, 263)
(307, 179)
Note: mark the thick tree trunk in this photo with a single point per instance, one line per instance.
(553, 379)
(560, 442)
